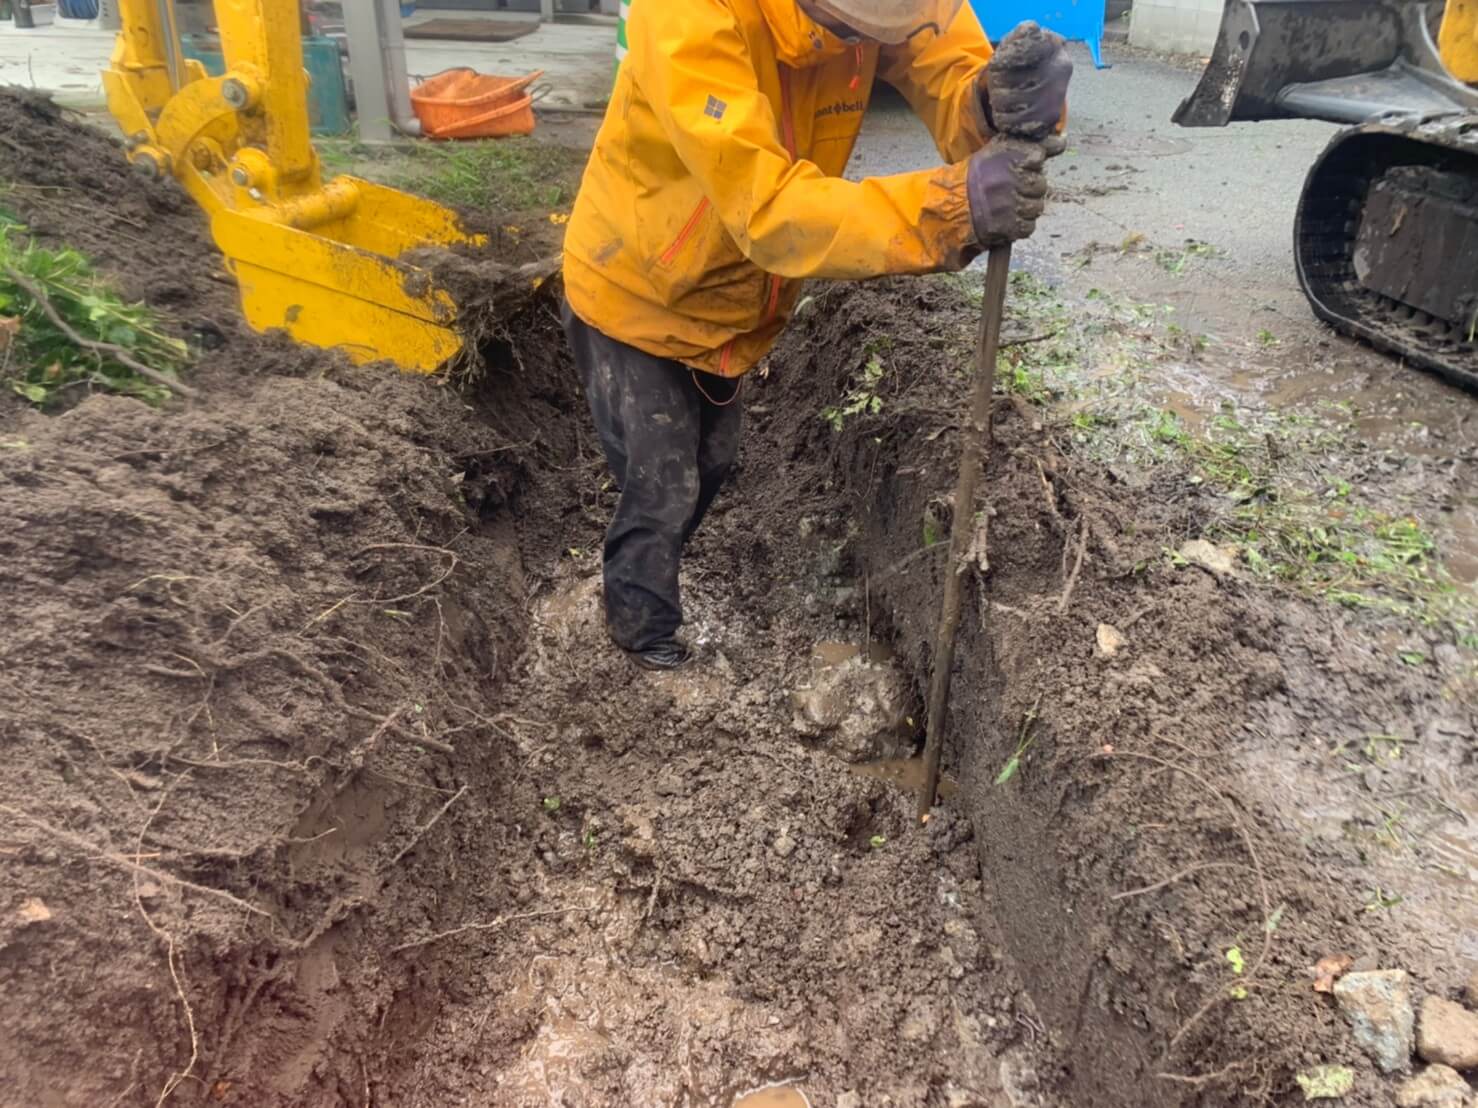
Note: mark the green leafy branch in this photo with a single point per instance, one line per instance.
(68, 329)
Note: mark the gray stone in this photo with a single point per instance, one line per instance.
(1436, 1086)
(857, 707)
(1470, 990)
(849, 1100)
(1377, 1006)
(784, 845)
(1019, 1080)
(1448, 1034)
(956, 1097)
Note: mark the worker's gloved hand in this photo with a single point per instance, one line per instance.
(1023, 89)
(1006, 184)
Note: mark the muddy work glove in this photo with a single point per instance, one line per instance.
(1006, 185)
(1023, 89)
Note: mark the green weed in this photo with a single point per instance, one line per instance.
(1379, 900)
(1024, 743)
(1277, 486)
(41, 360)
(1176, 261)
(1290, 521)
(861, 399)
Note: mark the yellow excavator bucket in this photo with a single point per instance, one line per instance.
(326, 261)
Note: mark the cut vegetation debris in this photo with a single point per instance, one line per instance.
(64, 329)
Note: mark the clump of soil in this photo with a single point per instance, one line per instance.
(325, 786)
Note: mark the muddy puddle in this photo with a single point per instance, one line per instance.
(907, 774)
(774, 1096)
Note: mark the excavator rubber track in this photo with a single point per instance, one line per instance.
(1386, 235)
(1386, 239)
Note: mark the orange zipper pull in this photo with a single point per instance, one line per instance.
(857, 73)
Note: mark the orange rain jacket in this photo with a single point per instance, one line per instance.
(715, 182)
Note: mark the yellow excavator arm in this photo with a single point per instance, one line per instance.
(1458, 40)
(317, 259)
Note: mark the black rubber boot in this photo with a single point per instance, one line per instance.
(662, 657)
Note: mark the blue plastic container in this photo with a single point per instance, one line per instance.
(1079, 20)
(328, 100)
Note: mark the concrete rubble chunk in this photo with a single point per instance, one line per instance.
(1436, 1086)
(32, 910)
(1377, 1006)
(1207, 555)
(1448, 1033)
(1110, 640)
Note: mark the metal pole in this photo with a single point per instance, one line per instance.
(174, 63)
(382, 94)
(975, 444)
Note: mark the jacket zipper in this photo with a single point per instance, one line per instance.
(787, 134)
(667, 256)
(772, 299)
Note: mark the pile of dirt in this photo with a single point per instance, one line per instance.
(324, 784)
(249, 647)
(70, 184)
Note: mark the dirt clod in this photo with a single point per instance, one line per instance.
(1447, 1033)
(1437, 1086)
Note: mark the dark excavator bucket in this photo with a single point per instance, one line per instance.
(1345, 61)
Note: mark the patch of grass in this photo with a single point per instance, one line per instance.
(515, 174)
(41, 360)
(1289, 519)
(1042, 370)
(1281, 483)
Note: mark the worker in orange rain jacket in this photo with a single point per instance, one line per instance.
(715, 186)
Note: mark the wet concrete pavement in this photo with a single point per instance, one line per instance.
(1131, 176)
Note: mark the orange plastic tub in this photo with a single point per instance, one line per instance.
(462, 103)
(514, 118)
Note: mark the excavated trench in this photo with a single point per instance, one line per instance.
(324, 785)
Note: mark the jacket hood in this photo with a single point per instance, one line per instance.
(799, 40)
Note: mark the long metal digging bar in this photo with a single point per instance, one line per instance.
(975, 448)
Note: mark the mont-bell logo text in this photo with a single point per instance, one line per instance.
(840, 107)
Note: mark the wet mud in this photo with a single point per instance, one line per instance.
(325, 786)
